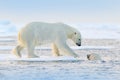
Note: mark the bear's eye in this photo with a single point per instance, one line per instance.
(75, 33)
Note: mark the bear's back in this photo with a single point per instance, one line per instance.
(42, 26)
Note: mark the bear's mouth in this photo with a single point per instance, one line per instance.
(79, 44)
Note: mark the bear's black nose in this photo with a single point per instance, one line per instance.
(79, 44)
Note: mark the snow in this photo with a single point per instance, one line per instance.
(73, 47)
(78, 70)
(59, 68)
(6, 40)
(63, 67)
(100, 34)
(11, 57)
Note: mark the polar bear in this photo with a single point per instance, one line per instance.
(38, 33)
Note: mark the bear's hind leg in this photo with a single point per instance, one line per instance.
(16, 50)
(55, 50)
(31, 54)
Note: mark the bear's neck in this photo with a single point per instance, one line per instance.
(69, 32)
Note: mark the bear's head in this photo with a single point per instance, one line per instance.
(73, 34)
(76, 38)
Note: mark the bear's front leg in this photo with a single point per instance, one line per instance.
(65, 48)
(31, 52)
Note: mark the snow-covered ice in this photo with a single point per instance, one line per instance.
(70, 70)
(101, 39)
(73, 47)
(63, 67)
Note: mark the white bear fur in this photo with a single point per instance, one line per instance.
(38, 33)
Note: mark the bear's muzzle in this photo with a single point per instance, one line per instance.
(78, 44)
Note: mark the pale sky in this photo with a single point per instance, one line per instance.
(72, 11)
